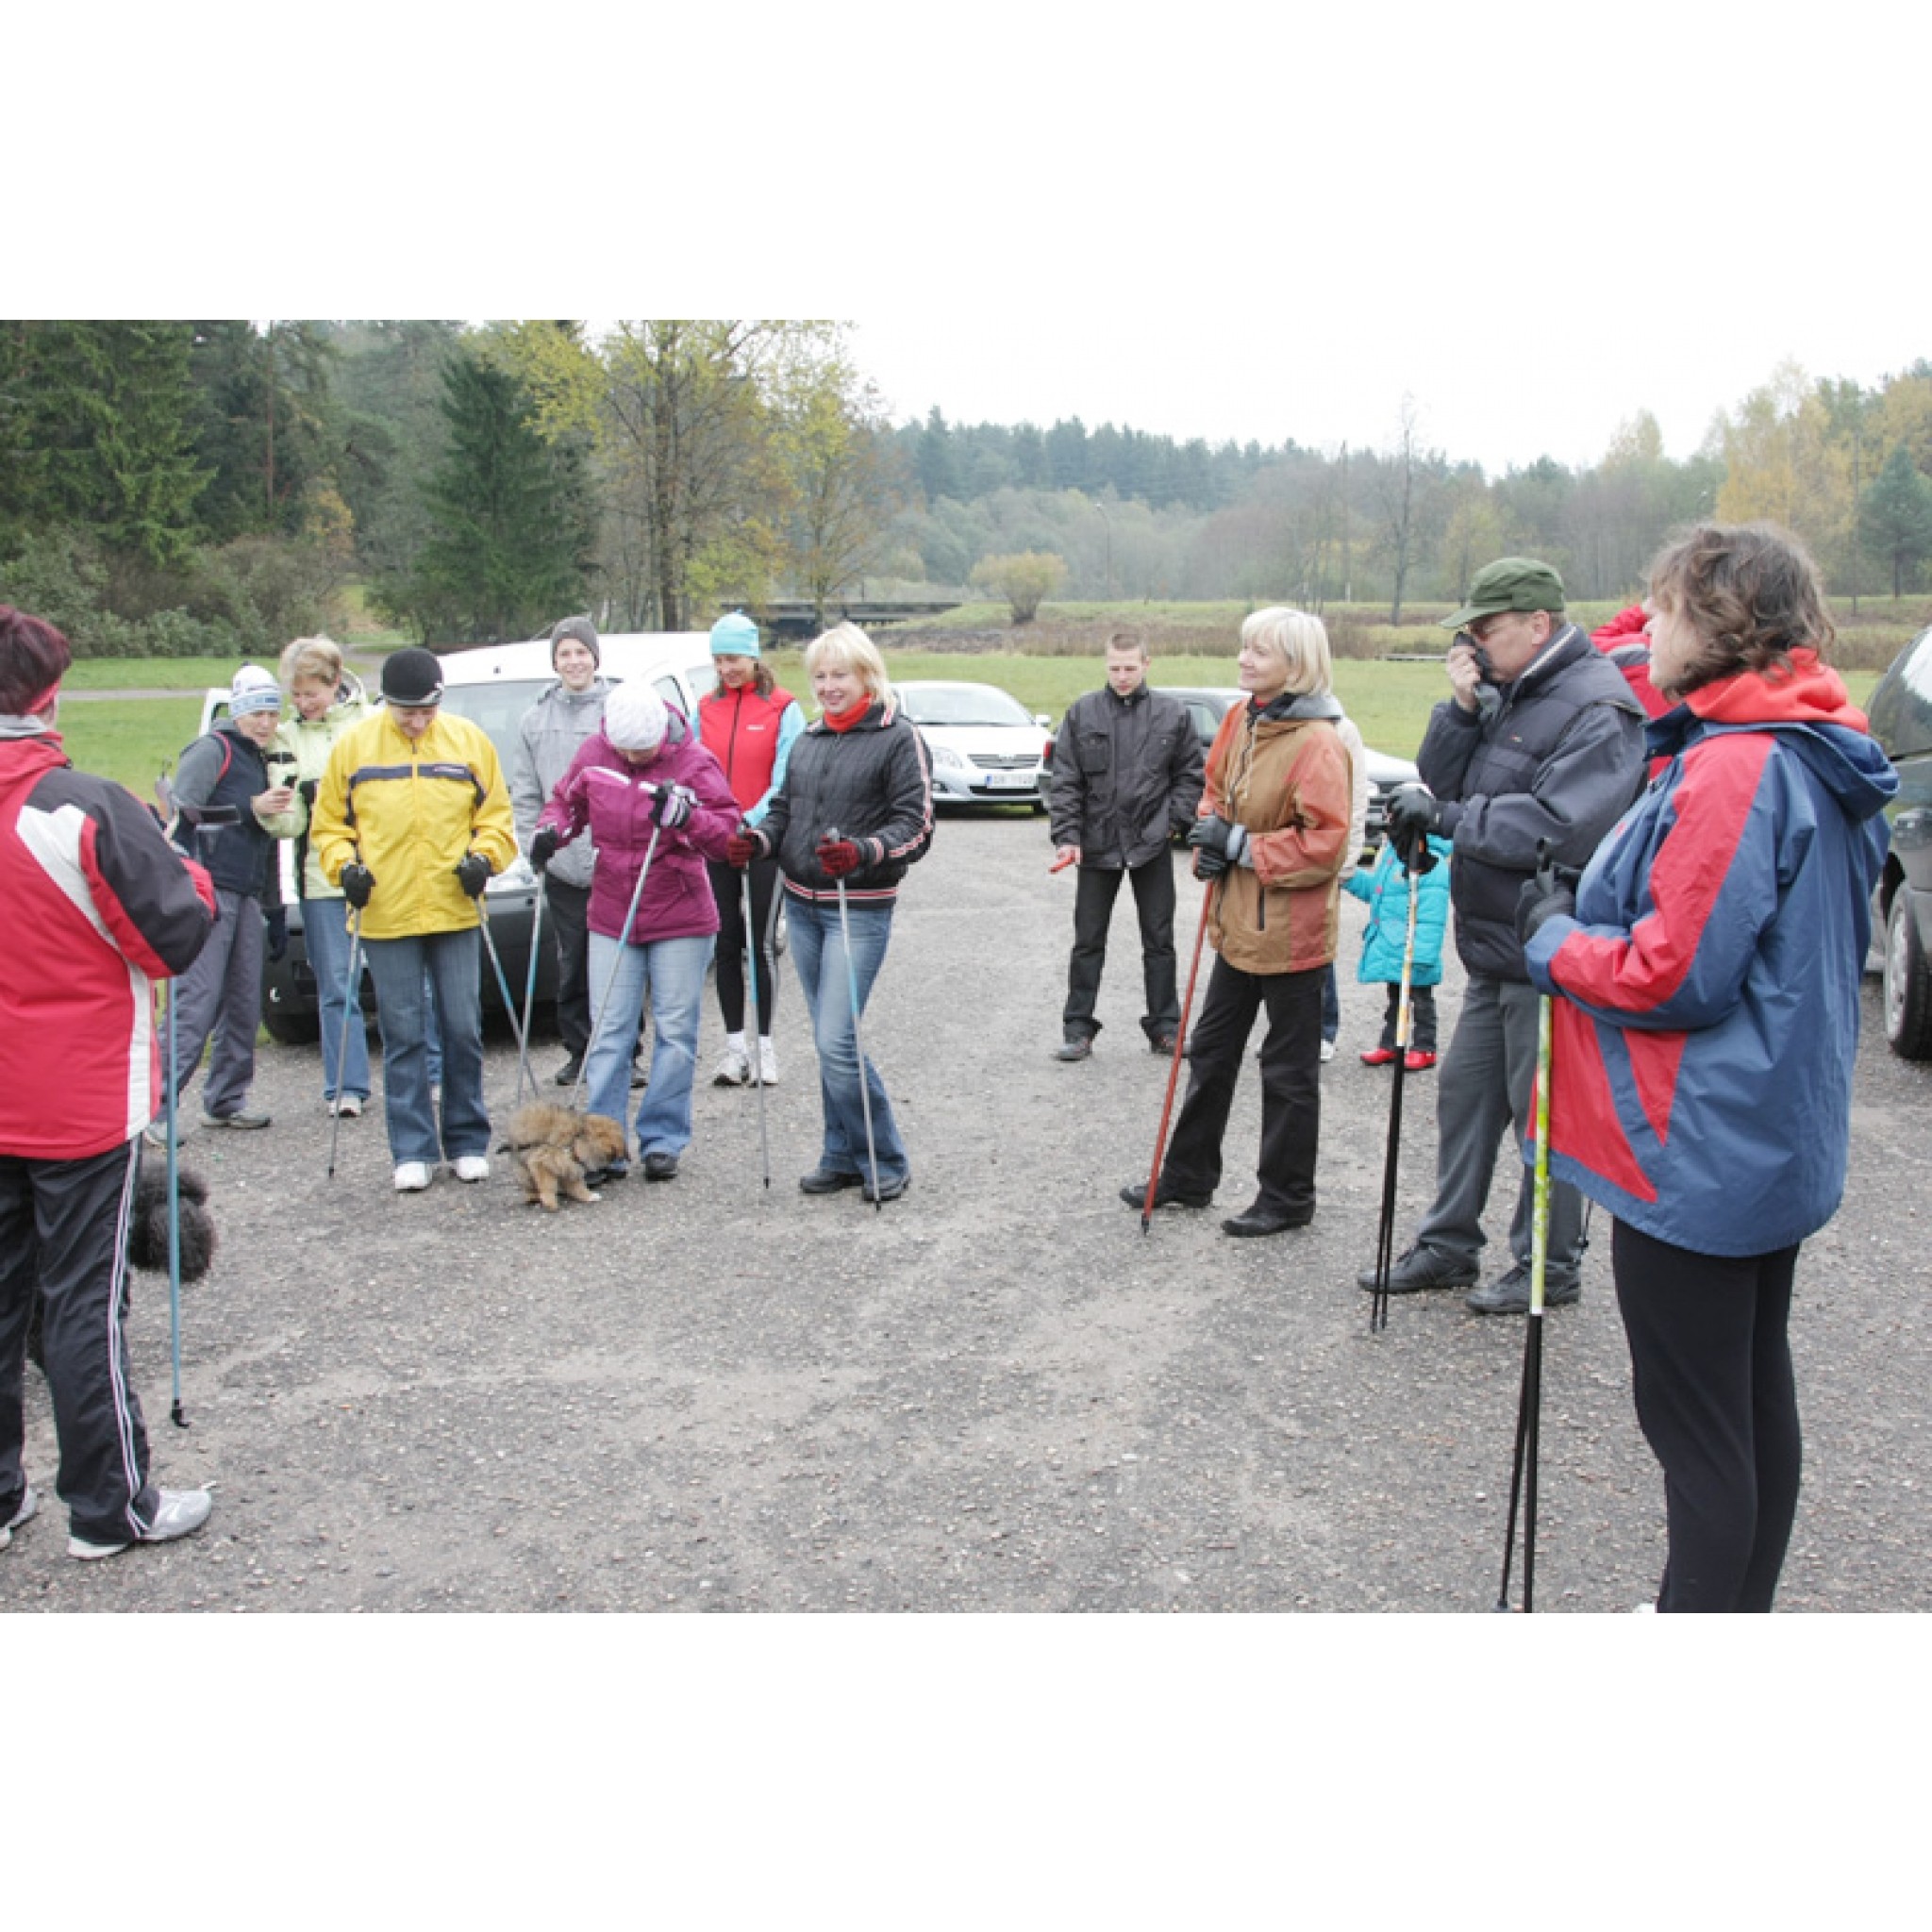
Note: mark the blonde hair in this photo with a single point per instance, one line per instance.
(848, 648)
(317, 657)
(1300, 640)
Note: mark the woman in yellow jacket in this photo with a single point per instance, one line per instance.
(410, 820)
(1272, 840)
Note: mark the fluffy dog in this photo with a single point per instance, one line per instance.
(554, 1147)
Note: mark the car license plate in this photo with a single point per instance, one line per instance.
(1009, 781)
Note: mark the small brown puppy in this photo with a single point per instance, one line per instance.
(554, 1147)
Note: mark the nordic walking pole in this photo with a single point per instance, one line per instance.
(871, 1155)
(758, 1064)
(352, 1009)
(630, 918)
(502, 978)
(530, 996)
(1174, 1072)
(176, 1413)
(1385, 1238)
(1530, 1402)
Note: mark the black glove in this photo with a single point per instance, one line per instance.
(472, 873)
(1414, 812)
(1552, 891)
(1217, 844)
(543, 847)
(276, 920)
(357, 883)
(673, 805)
(306, 789)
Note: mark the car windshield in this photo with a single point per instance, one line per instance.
(964, 703)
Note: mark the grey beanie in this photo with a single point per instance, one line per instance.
(584, 631)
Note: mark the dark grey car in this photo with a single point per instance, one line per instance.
(1901, 715)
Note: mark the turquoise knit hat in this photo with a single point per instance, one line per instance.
(734, 635)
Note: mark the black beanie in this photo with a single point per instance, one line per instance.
(412, 678)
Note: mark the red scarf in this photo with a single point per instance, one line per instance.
(844, 721)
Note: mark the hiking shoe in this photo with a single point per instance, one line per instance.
(412, 1176)
(28, 1503)
(1418, 1062)
(660, 1167)
(1258, 1220)
(617, 1171)
(471, 1167)
(181, 1513)
(1508, 1294)
(890, 1187)
(349, 1106)
(1163, 1045)
(734, 1069)
(828, 1180)
(1076, 1046)
(1378, 1057)
(567, 1074)
(768, 1064)
(1165, 1195)
(241, 1119)
(1420, 1268)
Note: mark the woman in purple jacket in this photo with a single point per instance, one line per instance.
(644, 775)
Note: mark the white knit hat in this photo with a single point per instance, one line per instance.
(635, 718)
(253, 689)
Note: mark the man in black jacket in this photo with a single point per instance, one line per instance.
(1540, 745)
(1126, 778)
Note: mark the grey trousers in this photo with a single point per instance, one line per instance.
(221, 999)
(1488, 1078)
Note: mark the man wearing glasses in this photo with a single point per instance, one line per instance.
(1539, 742)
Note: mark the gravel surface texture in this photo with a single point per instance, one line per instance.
(993, 1394)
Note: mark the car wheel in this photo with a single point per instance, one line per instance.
(1907, 983)
(287, 1030)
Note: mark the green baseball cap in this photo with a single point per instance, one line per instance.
(1511, 583)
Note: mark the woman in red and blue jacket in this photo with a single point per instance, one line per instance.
(1708, 964)
(747, 725)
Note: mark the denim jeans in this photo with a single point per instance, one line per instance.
(424, 981)
(671, 972)
(326, 932)
(818, 947)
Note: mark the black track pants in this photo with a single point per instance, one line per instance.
(728, 889)
(63, 1224)
(1712, 1364)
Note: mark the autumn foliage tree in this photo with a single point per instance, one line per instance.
(1025, 580)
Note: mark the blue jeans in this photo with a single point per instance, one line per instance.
(672, 972)
(420, 982)
(818, 948)
(326, 932)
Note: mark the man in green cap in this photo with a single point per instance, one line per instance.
(1539, 744)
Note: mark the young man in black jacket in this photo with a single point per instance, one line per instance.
(1126, 778)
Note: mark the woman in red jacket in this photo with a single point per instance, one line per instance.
(747, 725)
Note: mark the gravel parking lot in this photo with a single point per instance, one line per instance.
(993, 1395)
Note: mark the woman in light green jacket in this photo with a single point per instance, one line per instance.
(326, 700)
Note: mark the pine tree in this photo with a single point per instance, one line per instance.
(1895, 518)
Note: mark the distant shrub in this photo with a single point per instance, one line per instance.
(1025, 580)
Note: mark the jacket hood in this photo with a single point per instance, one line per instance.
(1312, 704)
(1809, 709)
(596, 693)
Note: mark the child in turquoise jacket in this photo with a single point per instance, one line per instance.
(1384, 888)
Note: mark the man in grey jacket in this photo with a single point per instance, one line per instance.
(547, 739)
(1540, 743)
(1127, 777)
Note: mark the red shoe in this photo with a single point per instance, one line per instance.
(1417, 1062)
(1378, 1056)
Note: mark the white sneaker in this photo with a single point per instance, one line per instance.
(734, 1069)
(349, 1106)
(1328, 1051)
(471, 1167)
(412, 1176)
(768, 1063)
(28, 1503)
(181, 1513)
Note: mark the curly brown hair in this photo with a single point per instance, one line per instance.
(1751, 592)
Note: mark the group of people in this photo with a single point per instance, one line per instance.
(1696, 902)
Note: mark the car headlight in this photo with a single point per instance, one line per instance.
(944, 754)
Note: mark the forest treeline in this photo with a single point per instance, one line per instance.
(177, 486)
